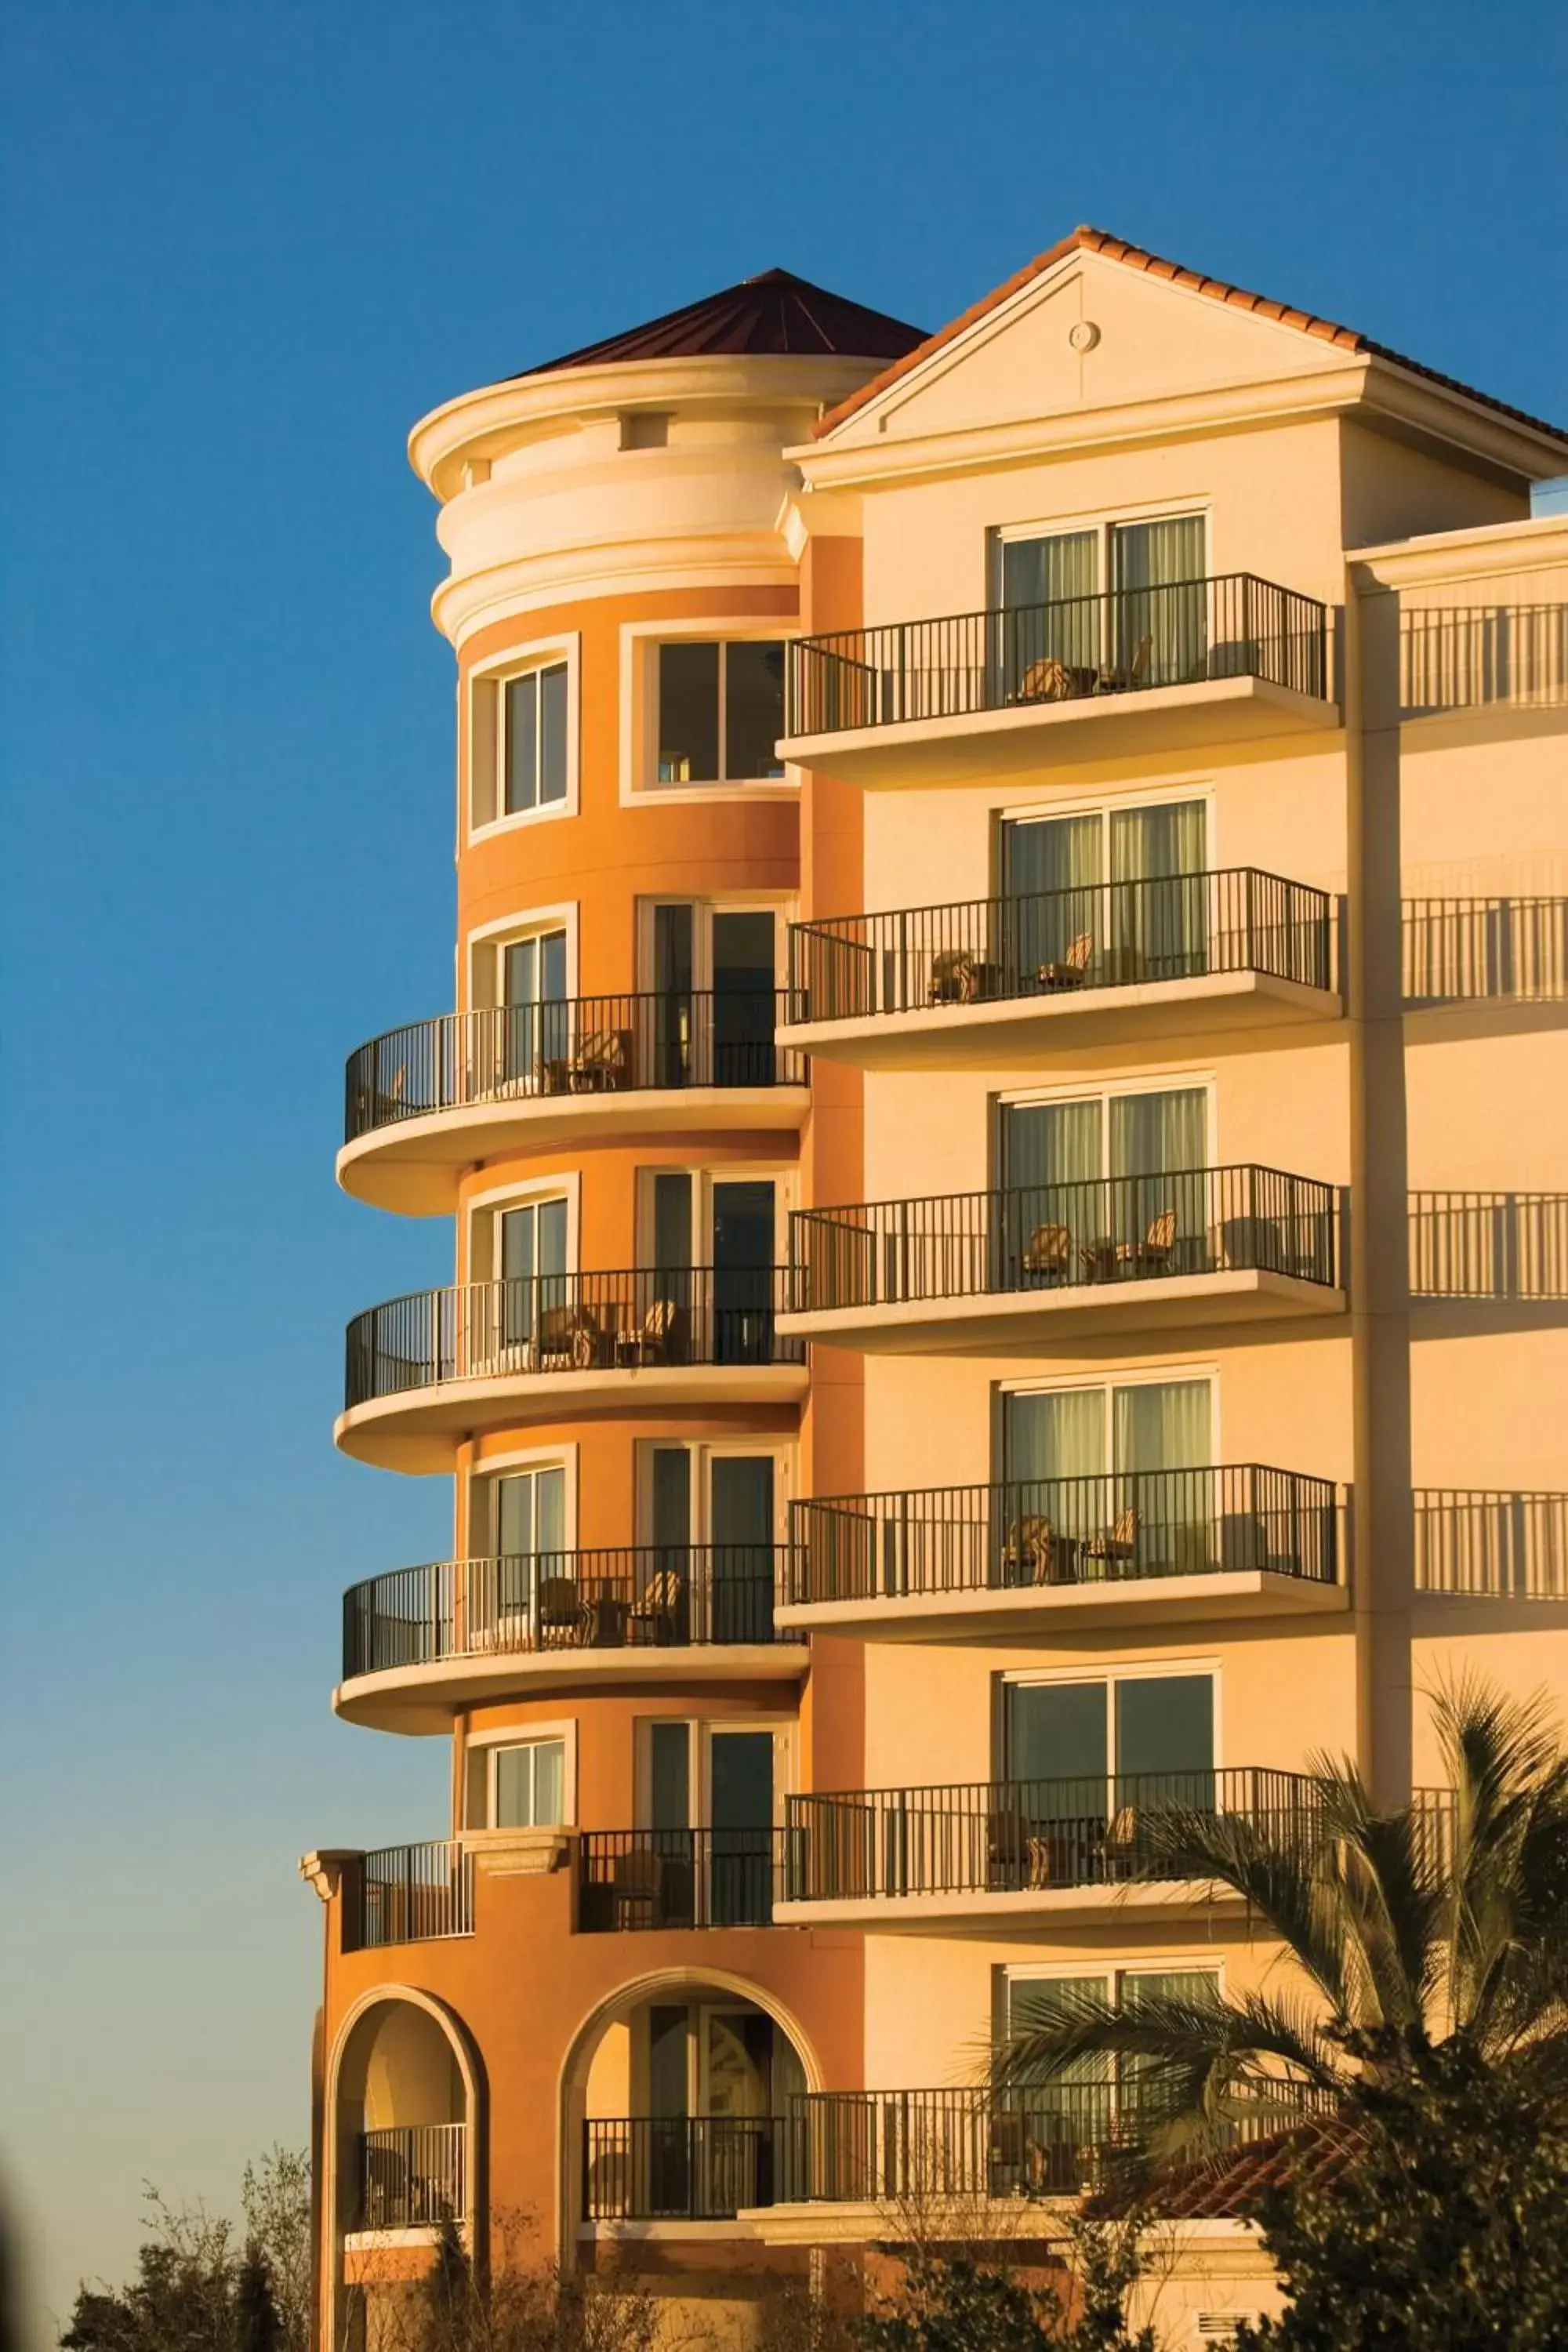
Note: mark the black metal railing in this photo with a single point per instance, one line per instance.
(1009, 1837)
(569, 1322)
(408, 1895)
(1491, 1545)
(1457, 657)
(1498, 1245)
(1041, 1532)
(1182, 634)
(1458, 950)
(681, 2168)
(413, 2177)
(1046, 1236)
(1061, 942)
(576, 1045)
(631, 1596)
(631, 1879)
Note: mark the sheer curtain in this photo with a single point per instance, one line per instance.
(1057, 1435)
(1052, 873)
(1160, 1430)
(1149, 562)
(1047, 589)
(1161, 1141)
(1159, 896)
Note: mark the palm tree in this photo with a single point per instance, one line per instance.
(1425, 1937)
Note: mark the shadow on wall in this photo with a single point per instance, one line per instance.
(1491, 1245)
(1495, 1545)
(1460, 658)
(1463, 950)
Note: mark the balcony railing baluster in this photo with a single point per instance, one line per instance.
(574, 1045)
(412, 2176)
(408, 1895)
(631, 1879)
(1079, 649)
(1059, 944)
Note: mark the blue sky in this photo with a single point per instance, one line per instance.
(245, 246)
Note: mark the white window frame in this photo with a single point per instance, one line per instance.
(1107, 1384)
(782, 1178)
(700, 1731)
(480, 1499)
(700, 1453)
(738, 902)
(486, 945)
(1101, 520)
(1091, 1669)
(484, 1210)
(1164, 1081)
(639, 690)
(478, 1746)
(485, 687)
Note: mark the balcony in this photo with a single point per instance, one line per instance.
(681, 2168)
(992, 982)
(973, 1853)
(974, 697)
(413, 2177)
(1143, 1548)
(425, 1370)
(981, 1273)
(407, 1894)
(638, 1880)
(421, 1642)
(423, 1102)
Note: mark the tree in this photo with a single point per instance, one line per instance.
(257, 2322)
(194, 2290)
(275, 2199)
(1429, 2016)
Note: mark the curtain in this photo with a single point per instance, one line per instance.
(1052, 1156)
(1049, 590)
(1056, 1434)
(1161, 1141)
(1161, 1446)
(1157, 578)
(1159, 896)
(1056, 1731)
(1161, 1425)
(1051, 878)
(1164, 1726)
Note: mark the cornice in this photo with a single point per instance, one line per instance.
(1492, 551)
(627, 568)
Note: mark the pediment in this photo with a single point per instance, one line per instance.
(1090, 332)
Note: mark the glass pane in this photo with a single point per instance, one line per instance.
(674, 948)
(672, 1497)
(743, 1245)
(516, 1241)
(1153, 1134)
(1159, 908)
(1051, 1143)
(673, 930)
(670, 1758)
(1048, 598)
(742, 1502)
(753, 710)
(668, 2063)
(550, 1506)
(553, 967)
(744, 999)
(1164, 1724)
(1054, 1731)
(1050, 878)
(552, 733)
(520, 972)
(522, 743)
(740, 1527)
(549, 1783)
(671, 1222)
(1157, 571)
(743, 1777)
(1162, 1426)
(1053, 1435)
(735, 2070)
(688, 714)
(514, 1789)
(515, 1515)
(551, 1237)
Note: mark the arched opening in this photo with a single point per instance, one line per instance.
(679, 2103)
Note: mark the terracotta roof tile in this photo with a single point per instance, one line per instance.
(775, 313)
(1218, 290)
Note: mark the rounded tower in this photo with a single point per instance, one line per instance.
(573, 2017)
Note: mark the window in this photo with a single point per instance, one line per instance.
(518, 1785)
(1154, 1134)
(729, 1225)
(714, 973)
(1130, 881)
(533, 740)
(710, 1527)
(534, 1025)
(531, 1248)
(1118, 1475)
(1157, 1729)
(709, 1799)
(1152, 629)
(720, 710)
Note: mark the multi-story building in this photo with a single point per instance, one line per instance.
(1001, 1123)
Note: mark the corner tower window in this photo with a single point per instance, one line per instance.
(533, 746)
(721, 711)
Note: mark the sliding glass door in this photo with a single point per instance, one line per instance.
(532, 1267)
(530, 1508)
(744, 1248)
(1101, 1473)
(1092, 1186)
(1123, 894)
(536, 1046)
(741, 1531)
(1057, 631)
(745, 998)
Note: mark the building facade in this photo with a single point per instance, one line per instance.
(1001, 1122)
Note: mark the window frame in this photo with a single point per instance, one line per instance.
(481, 1225)
(1162, 1082)
(477, 1750)
(1107, 1384)
(1093, 1669)
(639, 705)
(700, 1453)
(485, 947)
(701, 1730)
(1103, 521)
(704, 1177)
(483, 782)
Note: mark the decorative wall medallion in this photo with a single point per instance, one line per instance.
(1084, 336)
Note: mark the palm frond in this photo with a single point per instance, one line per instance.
(1274, 1870)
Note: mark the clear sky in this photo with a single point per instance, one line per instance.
(246, 243)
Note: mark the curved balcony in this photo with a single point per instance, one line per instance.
(1141, 1548)
(978, 1273)
(987, 1851)
(407, 1895)
(987, 984)
(423, 1102)
(425, 1370)
(1016, 690)
(421, 1642)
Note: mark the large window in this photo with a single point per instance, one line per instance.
(1123, 887)
(532, 1250)
(1152, 630)
(1108, 1479)
(723, 1507)
(1154, 1728)
(533, 740)
(720, 710)
(1150, 1134)
(714, 970)
(518, 1784)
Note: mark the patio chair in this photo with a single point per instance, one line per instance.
(652, 1341)
(1028, 1556)
(562, 1611)
(1136, 674)
(637, 1887)
(1114, 1547)
(1048, 1253)
(1155, 1248)
(958, 976)
(658, 1606)
(602, 1063)
(566, 1338)
(1048, 679)
(1121, 1838)
(1072, 970)
(1007, 1843)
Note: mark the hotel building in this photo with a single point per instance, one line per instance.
(1001, 1124)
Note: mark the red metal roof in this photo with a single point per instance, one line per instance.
(775, 312)
(1218, 290)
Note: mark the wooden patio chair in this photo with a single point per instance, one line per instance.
(1154, 1249)
(1029, 1554)
(1136, 674)
(1072, 971)
(566, 1338)
(637, 1887)
(562, 1610)
(652, 1341)
(1008, 1845)
(658, 1606)
(1048, 1253)
(959, 977)
(1114, 1547)
(602, 1063)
